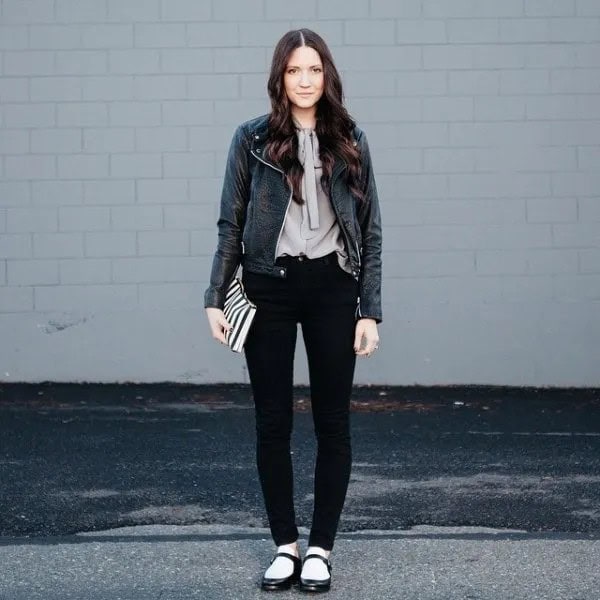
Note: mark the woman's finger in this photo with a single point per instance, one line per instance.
(371, 344)
(224, 324)
(218, 334)
(358, 339)
(218, 325)
(365, 350)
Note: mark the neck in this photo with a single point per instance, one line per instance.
(305, 117)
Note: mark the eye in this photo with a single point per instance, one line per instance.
(292, 70)
(318, 69)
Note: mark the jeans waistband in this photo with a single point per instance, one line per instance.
(328, 259)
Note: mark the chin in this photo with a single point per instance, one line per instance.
(306, 102)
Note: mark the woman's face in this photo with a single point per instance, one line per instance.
(303, 79)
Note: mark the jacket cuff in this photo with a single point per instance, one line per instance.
(366, 311)
(377, 318)
(214, 298)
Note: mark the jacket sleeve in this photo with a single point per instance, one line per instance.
(234, 199)
(369, 218)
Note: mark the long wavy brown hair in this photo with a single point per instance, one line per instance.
(333, 125)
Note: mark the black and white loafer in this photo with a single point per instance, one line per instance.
(316, 585)
(271, 584)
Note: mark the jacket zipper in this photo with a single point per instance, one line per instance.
(283, 223)
(346, 234)
(265, 162)
(288, 203)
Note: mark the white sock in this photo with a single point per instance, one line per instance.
(282, 566)
(314, 568)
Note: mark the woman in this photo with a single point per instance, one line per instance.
(299, 212)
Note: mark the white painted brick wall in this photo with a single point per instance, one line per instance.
(484, 122)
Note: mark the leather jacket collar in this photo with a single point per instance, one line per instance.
(260, 133)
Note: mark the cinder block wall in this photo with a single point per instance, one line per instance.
(484, 120)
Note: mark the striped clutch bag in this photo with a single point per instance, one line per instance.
(239, 312)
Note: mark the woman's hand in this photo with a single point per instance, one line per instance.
(366, 337)
(218, 324)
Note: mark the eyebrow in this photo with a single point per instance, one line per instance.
(298, 66)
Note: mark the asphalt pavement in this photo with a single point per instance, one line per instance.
(149, 491)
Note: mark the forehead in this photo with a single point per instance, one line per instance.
(304, 56)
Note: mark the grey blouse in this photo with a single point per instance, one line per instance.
(311, 229)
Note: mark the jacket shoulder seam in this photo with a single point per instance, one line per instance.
(358, 133)
(248, 127)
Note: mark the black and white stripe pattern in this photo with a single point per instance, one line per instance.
(239, 312)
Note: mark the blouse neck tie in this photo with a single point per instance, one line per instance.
(308, 155)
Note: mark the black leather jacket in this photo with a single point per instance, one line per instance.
(254, 202)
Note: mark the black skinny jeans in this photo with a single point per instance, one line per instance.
(322, 297)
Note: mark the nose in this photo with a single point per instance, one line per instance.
(304, 79)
